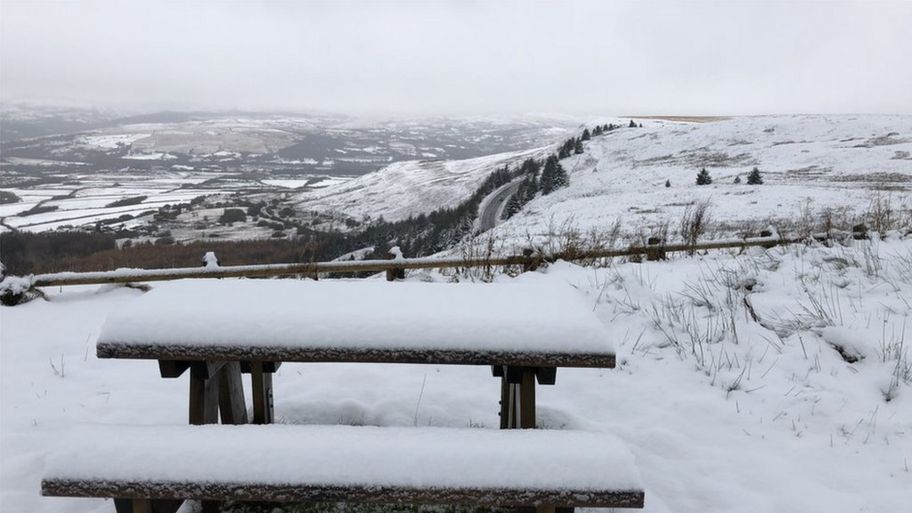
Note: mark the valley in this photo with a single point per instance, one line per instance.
(240, 179)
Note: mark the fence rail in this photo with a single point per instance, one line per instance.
(395, 267)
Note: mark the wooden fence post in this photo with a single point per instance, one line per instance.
(210, 261)
(768, 233)
(655, 249)
(530, 261)
(397, 273)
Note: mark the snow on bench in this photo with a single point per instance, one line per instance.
(527, 324)
(285, 463)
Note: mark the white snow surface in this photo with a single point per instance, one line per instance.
(349, 456)
(808, 163)
(410, 188)
(360, 314)
(722, 413)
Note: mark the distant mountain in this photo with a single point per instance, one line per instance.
(282, 143)
(28, 120)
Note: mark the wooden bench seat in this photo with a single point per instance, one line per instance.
(156, 468)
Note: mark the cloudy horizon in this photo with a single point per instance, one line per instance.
(457, 58)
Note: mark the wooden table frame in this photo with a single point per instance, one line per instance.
(216, 386)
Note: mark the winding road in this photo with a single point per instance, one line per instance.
(494, 205)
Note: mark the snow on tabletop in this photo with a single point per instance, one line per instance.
(522, 317)
(347, 455)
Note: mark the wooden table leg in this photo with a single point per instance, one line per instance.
(232, 406)
(211, 506)
(147, 505)
(549, 508)
(505, 402)
(261, 385)
(517, 397)
(204, 396)
(526, 399)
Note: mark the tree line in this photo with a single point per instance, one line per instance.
(553, 175)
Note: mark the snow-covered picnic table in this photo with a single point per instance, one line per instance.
(217, 328)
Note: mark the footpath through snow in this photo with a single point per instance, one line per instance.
(770, 381)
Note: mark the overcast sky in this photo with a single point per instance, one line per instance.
(463, 57)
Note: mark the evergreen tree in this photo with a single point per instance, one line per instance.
(566, 149)
(703, 177)
(530, 166)
(667, 183)
(737, 179)
(513, 206)
(553, 176)
(586, 135)
(754, 178)
(560, 177)
(578, 146)
(531, 189)
(547, 177)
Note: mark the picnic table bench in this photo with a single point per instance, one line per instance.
(156, 468)
(218, 330)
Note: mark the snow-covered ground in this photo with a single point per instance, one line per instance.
(410, 188)
(808, 163)
(85, 201)
(734, 388)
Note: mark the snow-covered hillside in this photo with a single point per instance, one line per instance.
(807, 163)
(410, 188)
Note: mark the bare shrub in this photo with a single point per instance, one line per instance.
(895, 349)
(490, 247)
(694, 222)
(805, 224)
(568, 241)
(881, 216)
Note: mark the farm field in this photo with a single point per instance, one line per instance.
(88, 199)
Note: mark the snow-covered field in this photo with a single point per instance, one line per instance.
(86, 202)
(734, 388)
(807, 162)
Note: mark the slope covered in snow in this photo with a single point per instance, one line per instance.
(410, 188)
(808, 163)
(774, 380)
